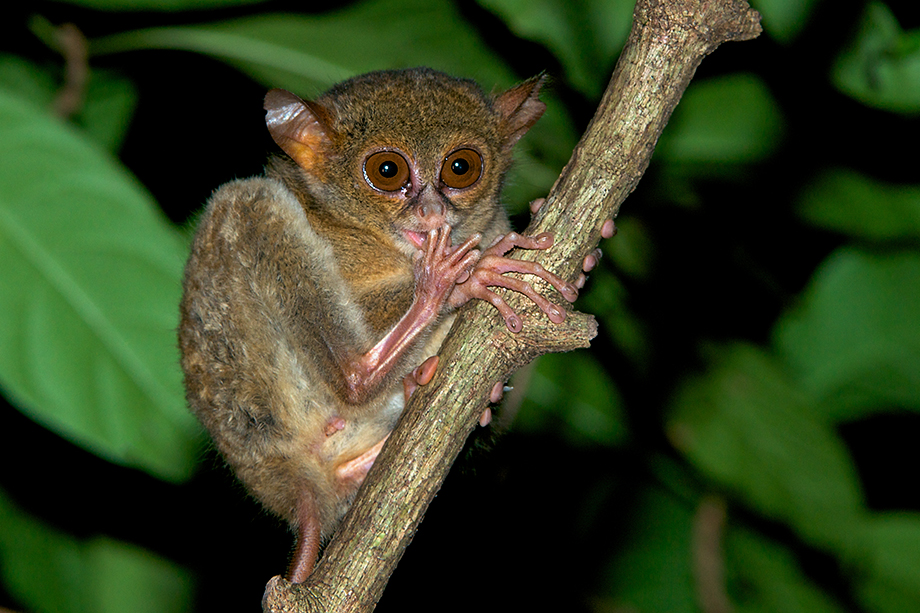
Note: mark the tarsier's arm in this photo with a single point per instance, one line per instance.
(452, 276)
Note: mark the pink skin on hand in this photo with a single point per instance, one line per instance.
(490, 271)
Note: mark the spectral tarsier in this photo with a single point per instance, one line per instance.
(314, 294)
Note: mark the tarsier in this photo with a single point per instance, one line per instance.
(313, 294)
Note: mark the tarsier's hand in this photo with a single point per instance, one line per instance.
(490, 271)
(439, 266)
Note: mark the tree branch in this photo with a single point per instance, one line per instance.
(667, 42)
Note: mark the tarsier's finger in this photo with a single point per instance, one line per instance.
(465, 251)
(591, 260)
(608, 229)
(511, 240)
(466, 245)
(498, 390)
(511, 318)
(486, 418)
(555, 314)
(465, 266)
(568, 291)
(536, 204)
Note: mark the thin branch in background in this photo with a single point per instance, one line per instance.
(708, 557)
(72, 45)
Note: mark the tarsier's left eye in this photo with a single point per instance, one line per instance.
(461, 168)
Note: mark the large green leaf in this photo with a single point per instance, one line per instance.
(723, 120)
(52, 572)
(881, 67)
(861, 207)
(307, 54)
(745, 425)
(158, 5)
(107, 106)
(652, 570)
(764, 577)
(854, 340)
(89, 290)
(606, 298)
(571, 395)
(784, 19)
(585, 35)
(888, 571)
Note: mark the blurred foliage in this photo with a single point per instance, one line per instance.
(759, 349)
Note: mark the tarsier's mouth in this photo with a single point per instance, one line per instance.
(416, 238)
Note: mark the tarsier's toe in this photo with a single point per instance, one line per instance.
(498, 390)
(608, 229)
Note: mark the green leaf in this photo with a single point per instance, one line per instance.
(764, 577)
(27, 79)
(106, 110)
(652, 571)
(606, 298)
(784, 19)
(585, 35)
(851, 203)
(307, 54)
(89, 290)
(854, 340)
(888, 571)
(746, 426)
(881, 67)
(52, 572)
(572, 396)
(723, 120)
(158, 5)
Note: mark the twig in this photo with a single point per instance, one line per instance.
(72, 45)
(708, 562)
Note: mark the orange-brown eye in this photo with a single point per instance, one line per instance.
(386, 170)
(461, 169)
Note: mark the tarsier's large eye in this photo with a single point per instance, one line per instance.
(386, 170)
(461, 168)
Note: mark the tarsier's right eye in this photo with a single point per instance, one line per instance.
(387, 171)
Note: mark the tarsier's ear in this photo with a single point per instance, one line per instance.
(520, 108)
(300, 127)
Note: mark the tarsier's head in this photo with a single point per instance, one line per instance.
(406, 150)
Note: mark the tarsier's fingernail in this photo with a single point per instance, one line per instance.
(514, 323)
(570, 293)
(556, 315)
(496, 394)
(545, 239)
(608, 229)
